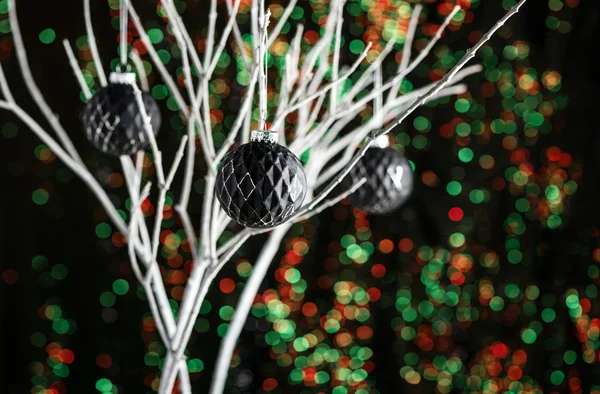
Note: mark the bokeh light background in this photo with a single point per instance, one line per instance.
(485, 281)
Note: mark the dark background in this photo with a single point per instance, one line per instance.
(64, 229)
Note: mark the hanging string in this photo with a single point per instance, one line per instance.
(124, 27)
(383, 140)
(262, 64)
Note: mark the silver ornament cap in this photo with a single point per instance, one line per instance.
(123, 78)
(266, 136)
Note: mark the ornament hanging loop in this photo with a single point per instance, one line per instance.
(123, 68)
(262, 64)
(123, 16)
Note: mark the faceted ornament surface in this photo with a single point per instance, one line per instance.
(389, 181)
(113, 123)
(261, 185)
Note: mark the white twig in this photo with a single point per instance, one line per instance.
(404, 69)
(33, 88)
(407, 49)
(224, 36)
(184, 379)
(420, 101)
(176, 161)
(238, 38)
(177, 23)
(133, 181)
(347, 141)
(378, 104)
(189, 167)
(162, 185)
(245, 302)
(210, 40)
(158, 63)
(336, 58)
(158, 313)
(76, 70)
(326, 88)
(331, 202)
(301, 86)
(140, 69)
(92, 42)
(455, 70)
(246, 103)
(10, 100)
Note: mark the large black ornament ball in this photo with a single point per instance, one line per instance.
(112, 121)
(389, 181)
(261, 184)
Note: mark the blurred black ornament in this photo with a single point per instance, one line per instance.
(389, 181)
(261, 184)
(112, 121)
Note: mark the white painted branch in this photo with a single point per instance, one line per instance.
(237, 124)
(336, 58)
(85, 175)
(133, 182)
(76, 70)
(33, 88)
(4, 88)
(348, 141)
(331, 202)
(323, 90)
(455, 70)
(289, 8)
(224, 36)
(378, 102)
(243, 307)
(353, 108)
(238, 38)
(420, 101)
(336, 7)
(210, 40)
(404, 69)
(311, 131)
(69, 162)
(92, 43)
(208, 142)
(177, 23)
(173, 88)
(367, 76)
(407, 49)
(139, 68)
(188, 177)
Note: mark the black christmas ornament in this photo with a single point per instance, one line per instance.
(389, 181)
(261, 184)
(112, 120)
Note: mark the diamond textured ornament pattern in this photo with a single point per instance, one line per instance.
(389, 181)
(261, 185)
(113, 123)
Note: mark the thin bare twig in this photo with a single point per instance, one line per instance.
(141, 71)
(76, 70)
(92, 43)
(420, 101)
(33, 88)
